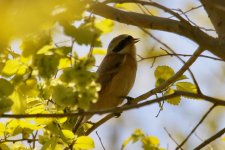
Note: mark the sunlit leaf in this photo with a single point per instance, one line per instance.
(68, 134)
(136, 136)
(64, 63)
(186, 86)
(174, 100)
(32, 43)
(2, 129)
(105, 25)
(163, 72)
(11, 67)
(99, 51)
(4, 146)
(64, 96)
(19, 102)
(84, 143)
(150, 143)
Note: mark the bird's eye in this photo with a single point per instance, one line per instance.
(122, 44)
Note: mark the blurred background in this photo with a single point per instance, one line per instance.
(177, 120)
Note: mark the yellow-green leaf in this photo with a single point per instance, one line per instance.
(186, 86)
(2, 129)
(84, 143)
(174, 100)
(11, 67)
(163, 72)
(150, 143)
(5, 105)
(6, 88)
(68, 134)
(105, 25)
(99, 51)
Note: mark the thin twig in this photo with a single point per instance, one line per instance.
(177, 54)
(193, 130)
(100, 140)
(170, 136)
(171, 50)
(209, 140)
(18, 140)
(165, 84)
(99, 123)
(189, 10)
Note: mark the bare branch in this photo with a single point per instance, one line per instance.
(215, 101)
(214, 45)
(170, 136)
(99, 123)
(209, 140)
(173, 52)
(100, 140)
(177, 54)
(173, 78)
(193, 130)
(150, 3)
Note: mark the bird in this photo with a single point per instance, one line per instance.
(117, 72)
(116, 75)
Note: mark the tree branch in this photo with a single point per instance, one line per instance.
(215, 101)
(185, 67)
(209, 140)
(214, 45)
(173, 52)
(193, 130)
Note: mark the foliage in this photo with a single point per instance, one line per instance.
(46, 76)
(148, 142)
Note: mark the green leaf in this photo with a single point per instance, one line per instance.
(4, 147)
(84, 34)
(50, 144)
(19, 102)
(105, 25)
(11, 67)
(174, 100)
(6, 88)
(186, 86)
(32, 43)
(68, 134)
(84, 143)
(163, 72)
(47, 65)
(5, 105)
(64, 96)
(2, 129)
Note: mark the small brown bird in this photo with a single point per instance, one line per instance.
(116, 72)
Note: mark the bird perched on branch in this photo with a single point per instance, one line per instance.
(116, 72)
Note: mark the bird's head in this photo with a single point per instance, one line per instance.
(123, 44)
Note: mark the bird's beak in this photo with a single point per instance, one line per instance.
(135, 40)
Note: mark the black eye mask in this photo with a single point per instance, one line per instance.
(122, 44)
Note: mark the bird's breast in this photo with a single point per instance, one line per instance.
(119, 86)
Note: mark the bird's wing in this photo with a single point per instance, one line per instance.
(109, 67)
